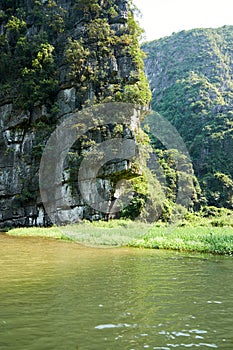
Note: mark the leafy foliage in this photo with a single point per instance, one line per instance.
(32, 46)
(50, 47)
(95, 58)
(191, 79)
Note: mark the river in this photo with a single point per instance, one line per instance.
(57, 295)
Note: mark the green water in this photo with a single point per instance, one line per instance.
(56, 295)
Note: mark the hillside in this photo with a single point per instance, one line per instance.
(191, 78)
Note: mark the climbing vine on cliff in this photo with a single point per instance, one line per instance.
(57, 57)
(95, 57)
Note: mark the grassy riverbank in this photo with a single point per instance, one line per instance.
(101, 233)
(209, 235)
(200, 239)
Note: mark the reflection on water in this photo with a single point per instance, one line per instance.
(57, 295)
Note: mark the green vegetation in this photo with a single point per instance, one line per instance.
(28, 71)
(92, 58)
(210, 232)
(138, 93)
(50, 46)
(199, 239)
(31, 52)
(191, 78)
(45, 48)
(112, 233)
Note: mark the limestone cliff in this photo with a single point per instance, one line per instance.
(58, 57)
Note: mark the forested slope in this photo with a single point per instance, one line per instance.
(191, 78)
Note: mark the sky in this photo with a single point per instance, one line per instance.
(163, 17)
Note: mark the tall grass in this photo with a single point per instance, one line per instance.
(200, 235)
(216, 240)
(101, 233)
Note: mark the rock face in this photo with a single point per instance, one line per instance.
(58, 57)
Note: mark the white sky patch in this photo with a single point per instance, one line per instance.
(163, 17)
